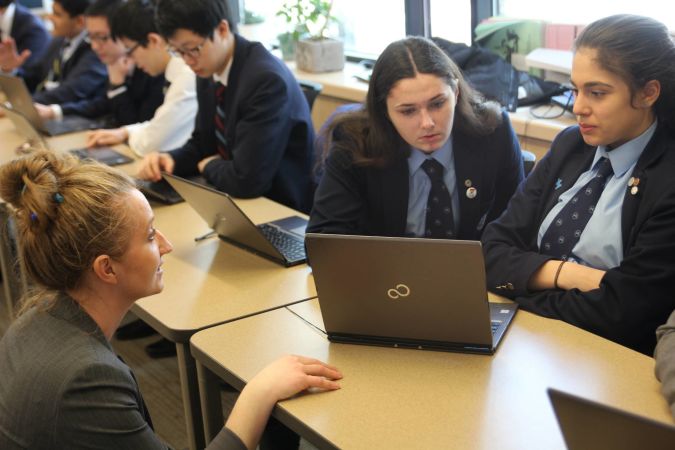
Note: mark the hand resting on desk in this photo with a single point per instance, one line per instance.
(281, 379)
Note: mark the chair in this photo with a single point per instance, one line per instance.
(14, 279)
(529, 159)
(311, 91)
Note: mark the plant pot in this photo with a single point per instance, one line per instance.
(319, 55)
(287, 46)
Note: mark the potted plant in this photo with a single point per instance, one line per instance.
(294, 13)
(311, 19)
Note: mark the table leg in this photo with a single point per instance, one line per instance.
(212, 408)
(190, 392)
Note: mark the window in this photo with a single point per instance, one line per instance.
(367, 27)
(451, 20)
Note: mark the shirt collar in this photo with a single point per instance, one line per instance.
(224, 75)
(6, 20)
(443, 155)
(626, 155)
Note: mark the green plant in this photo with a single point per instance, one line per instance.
(307, 17)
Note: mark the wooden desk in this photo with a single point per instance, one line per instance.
(399, 398)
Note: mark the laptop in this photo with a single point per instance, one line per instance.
(426, 294)
(587, 425)
(281, 241)
(35, 141)
(19, 97)
(160, 191)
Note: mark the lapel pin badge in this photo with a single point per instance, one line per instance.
(472, 192)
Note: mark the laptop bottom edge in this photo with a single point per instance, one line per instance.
(412, 344)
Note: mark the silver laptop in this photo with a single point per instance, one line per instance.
(35, 141)
(18, 96)
(406, 292)
(281, 241)
(587, 425)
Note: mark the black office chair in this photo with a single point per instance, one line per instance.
(311, 91)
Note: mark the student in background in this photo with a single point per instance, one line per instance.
(172, 123)
(426, 156)
(69, 70)
(253, 135)
(88, 241)
(23, 36)
(132, 95)
(589, 238)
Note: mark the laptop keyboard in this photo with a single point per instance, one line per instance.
(291, 247)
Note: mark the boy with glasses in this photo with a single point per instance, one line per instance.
(133, 27)
(132, 95)
(253, 134)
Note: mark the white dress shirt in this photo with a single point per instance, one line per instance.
(174, 120)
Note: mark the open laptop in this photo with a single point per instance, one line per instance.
(19, 97)
(281, 241)
(406, 292)
(587, 425)
(35, 141)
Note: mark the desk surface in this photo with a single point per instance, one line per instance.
(399, 398)
(211, 282)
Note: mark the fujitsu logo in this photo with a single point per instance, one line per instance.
(401, 290)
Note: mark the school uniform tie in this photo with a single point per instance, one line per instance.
(221, 140)
(565, 230)
(439, 221)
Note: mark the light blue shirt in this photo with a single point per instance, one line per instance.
(419, 186)
(600, 244)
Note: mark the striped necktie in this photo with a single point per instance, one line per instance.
(221, 140)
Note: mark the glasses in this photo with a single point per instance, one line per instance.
(192, 53)
(99, 38)
(131, 50)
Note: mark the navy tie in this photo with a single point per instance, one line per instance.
(439, 222)
(221, 140)
(565, 230)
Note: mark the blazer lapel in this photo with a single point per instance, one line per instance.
(469, 164)
(655, 149)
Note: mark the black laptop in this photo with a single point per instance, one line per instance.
(587, 425)
(427, 294)
(282, 240)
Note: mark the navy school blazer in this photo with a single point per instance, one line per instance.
(269, 131)
(374, 200)
(83, 76)
(634, 298)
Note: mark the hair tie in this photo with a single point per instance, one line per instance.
(58, 198)
(33, 217)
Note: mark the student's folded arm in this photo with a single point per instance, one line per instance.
(264, 123)
(635, 297)
(91, 108)
(665, 360)
(510, 242)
